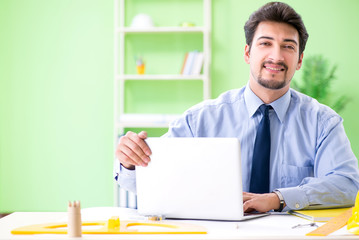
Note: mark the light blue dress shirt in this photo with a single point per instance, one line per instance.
(311, 161)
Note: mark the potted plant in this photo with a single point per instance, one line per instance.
(317, 77)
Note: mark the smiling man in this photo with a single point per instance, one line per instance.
(273, 56)
(295, 153)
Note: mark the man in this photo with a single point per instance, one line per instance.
(310, 163)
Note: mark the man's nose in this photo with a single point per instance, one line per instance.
(276, 54)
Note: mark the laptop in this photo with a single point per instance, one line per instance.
(192, 178)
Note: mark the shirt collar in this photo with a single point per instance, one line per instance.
(253, 102)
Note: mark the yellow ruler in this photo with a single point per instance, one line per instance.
(115, 226)
(332, 225)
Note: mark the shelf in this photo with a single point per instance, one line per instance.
(122, 51)
(161, 30)
(160, 77)
(146, 120)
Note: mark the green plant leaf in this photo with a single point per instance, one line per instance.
(317, 79)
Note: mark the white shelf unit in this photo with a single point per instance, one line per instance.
(125, 120)
(152, 120)
(162, 77)
(160, 29)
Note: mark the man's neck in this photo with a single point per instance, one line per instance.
(265, 94)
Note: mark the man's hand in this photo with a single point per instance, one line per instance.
(133, 151)
(260, 202)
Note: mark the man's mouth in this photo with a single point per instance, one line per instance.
(275, 67)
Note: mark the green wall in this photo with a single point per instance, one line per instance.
(56, 88)
(56, 78)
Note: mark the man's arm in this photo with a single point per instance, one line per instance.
(124, 177)
(260, 202)
(131, 151)
(336, 177)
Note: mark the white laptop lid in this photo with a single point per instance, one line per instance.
(192, 178)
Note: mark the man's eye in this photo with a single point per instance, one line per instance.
(265, 43)
(289, 47)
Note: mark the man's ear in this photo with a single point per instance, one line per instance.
(300, 61)
(246, 54)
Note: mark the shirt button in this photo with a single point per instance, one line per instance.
(297, 205)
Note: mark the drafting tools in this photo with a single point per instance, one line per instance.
(353, 222)
(74, 219)
(332, 225)
(115, 226)
(319, 215)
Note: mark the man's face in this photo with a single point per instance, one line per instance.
(274, 55)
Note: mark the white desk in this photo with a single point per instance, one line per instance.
(270, 227)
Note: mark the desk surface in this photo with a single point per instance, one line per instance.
(276, 226)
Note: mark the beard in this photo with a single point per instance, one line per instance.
(272, 84)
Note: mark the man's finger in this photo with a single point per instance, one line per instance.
(143, 134)
(129, 152)
(132, 158)
(126, 161)
(247, 206)
(247, 196)
(138, 139)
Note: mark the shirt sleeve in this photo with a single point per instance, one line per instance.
(336, 178)
(124, 177)
(182, 126)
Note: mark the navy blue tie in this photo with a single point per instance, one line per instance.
(261, 154)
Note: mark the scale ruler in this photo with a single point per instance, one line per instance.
(332, 225)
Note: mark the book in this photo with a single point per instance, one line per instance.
(189, 63)
(184, 62)
(319, 215)
(197, 64)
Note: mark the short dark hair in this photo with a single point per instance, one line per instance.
(276, 12)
